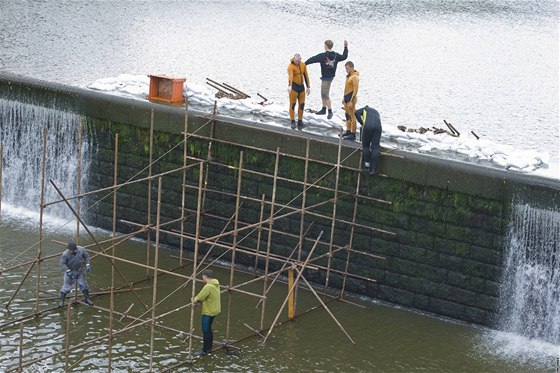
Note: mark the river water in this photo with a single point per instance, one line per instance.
(387, 339)
(490, 66)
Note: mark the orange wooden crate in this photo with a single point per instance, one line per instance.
(166, 89)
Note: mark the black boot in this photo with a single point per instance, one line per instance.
(300, 124)
(86, 298)
(330, 114)
(61, 300)
(293, 124)
(208, 339)
(323, 111)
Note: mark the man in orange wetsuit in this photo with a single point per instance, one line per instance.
(297, 76)
(350, 99)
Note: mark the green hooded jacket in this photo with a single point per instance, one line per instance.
(210, 298)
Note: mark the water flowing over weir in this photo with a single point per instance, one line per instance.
(530, 290)
(21, 136)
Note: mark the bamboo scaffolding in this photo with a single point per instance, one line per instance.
(67, 337)
(79, 179)
(239, 227)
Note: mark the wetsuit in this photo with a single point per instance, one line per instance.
(371, 136)
(297, 76)
(351, 95)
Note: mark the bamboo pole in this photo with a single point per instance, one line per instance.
(300, 272)
(102, 253)
(41, 213)
(234, 244)
(1, 166)
(291, 289)
(303, 201)
(184, 181)
(259, 235)
(269, 241)
(154, 290)
(352, 227)
(20, 357)
(196, 247)
(291, 309)
(113, 237)
(67, 338)
(149, 207)
(79, 180)
(333, 223)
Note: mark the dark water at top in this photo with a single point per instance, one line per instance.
(490, 65)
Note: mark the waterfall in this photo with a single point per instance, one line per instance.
(530, 290)
(21, 136)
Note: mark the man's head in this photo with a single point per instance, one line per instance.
(207, 275)
(297, 58)
(328, 45)
(349, 66)
(72, 247)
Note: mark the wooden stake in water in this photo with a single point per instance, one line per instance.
(20, 368)
(67, 338)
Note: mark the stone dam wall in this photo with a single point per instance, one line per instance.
(443, 233)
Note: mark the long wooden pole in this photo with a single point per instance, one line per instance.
(154, 290)
(20, 357)
(234, 244)
(259, 235)
(67, 338)
(183, 184)
(1, 166)
(79, 179)
(302, 218)
(333, 223)
(149, 207)
(352, 227)
(269, 241)
(112, 295)
(196, 247)
(41, 213)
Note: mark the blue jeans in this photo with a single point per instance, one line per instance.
(207, 334)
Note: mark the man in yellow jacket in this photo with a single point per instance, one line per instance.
(209, 296)
(350, 99)
(297, 76)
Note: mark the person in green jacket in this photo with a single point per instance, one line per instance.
(209, 296)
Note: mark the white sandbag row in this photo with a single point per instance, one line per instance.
(503, 156)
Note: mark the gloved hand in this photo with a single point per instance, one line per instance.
(70, 273)
(88, 268)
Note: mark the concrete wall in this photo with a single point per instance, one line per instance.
(450, 218)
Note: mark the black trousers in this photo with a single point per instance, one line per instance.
(371, 137)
